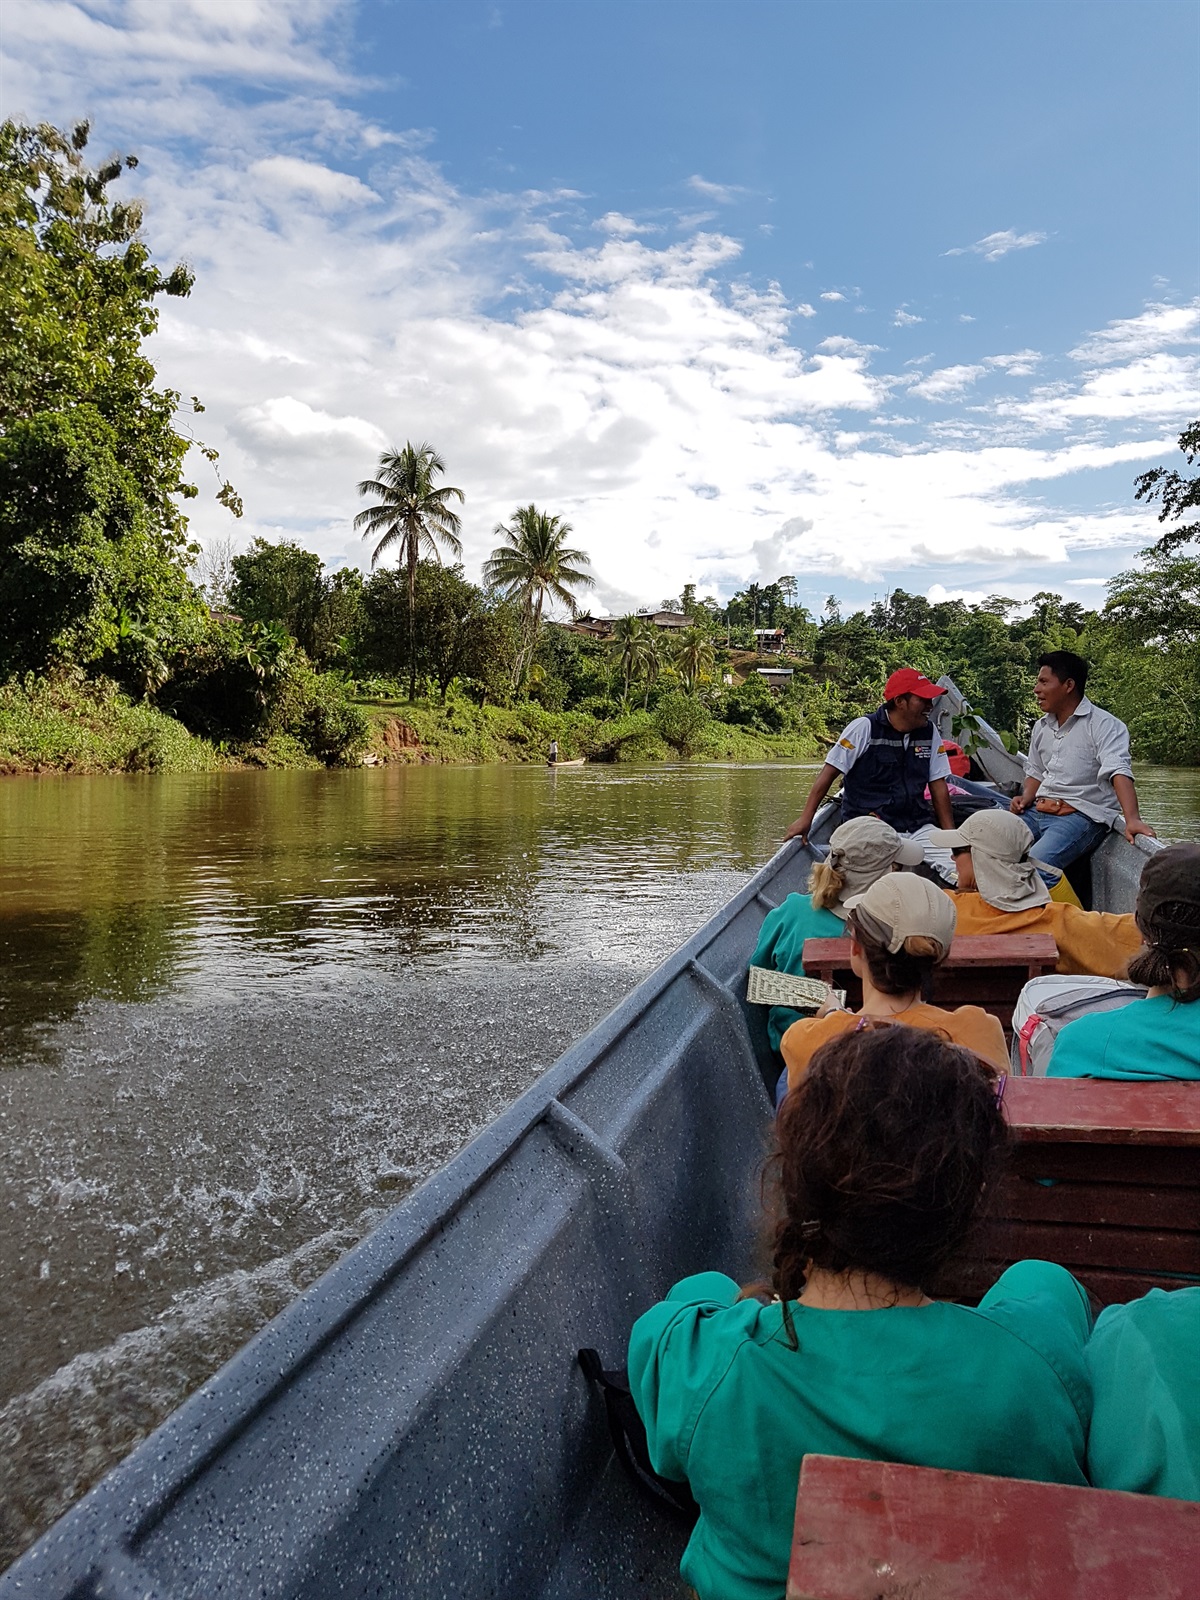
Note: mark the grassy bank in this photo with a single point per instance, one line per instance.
(68, 723)
(463, 733)
(72, 724)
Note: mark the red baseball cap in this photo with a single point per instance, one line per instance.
(909, 681)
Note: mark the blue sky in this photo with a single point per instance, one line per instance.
(876, 293)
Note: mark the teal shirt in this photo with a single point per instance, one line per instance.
(1155, 1038)
(1144, 1361)
(732, 1408)
(781, 946)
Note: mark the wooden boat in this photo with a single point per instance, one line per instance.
(579, 761)
(416, 1424)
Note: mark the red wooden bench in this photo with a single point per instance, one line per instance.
(1104, 1178)
(987, 969)
(872, 1530)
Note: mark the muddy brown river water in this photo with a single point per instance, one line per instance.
(242, 1014)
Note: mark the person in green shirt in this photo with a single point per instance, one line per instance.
(1158, 1037)
(1144, 1362)
(885, 1148)
(860, 851)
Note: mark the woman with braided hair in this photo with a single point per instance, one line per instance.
(885, 1147)
(1158, 1037)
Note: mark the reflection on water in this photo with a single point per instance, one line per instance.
(224, 885)
(1170, 800)
(243, 1013)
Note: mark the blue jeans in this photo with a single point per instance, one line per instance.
(1057, 841)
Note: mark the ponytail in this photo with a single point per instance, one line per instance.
(825, 885)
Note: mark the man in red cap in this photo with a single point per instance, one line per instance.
(886, 761)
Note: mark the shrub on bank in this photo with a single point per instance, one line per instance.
(68, 722)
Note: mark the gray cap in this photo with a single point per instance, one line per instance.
(895, 908)
(864, 849)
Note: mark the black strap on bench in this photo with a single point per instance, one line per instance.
(630, 1443)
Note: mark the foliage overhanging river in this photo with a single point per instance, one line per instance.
(242, 1014)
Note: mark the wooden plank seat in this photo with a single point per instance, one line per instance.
(987, 970)
(1104, 1178)
(873, 1530)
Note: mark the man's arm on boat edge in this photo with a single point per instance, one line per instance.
(824, 782)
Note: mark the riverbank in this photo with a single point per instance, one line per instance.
(72, 725)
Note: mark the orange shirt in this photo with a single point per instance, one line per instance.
(970, 1026)
(1098, 942)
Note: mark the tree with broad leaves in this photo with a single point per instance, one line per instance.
(413, 512)
(93, 543)
(534, 562)
(1177, 494)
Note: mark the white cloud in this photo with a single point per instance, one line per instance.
(995, 245)
(285, 425)
(947, 383)
(288, 175)
(902, 318)
(722, 194)
(651, 392)
(1018, 364)
(1157, 328)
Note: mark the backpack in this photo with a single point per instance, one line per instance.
(628, 1433)
(1046, 1005)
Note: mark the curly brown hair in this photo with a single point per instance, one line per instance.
(884, 1150)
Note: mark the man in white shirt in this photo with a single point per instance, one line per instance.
(1079, 781)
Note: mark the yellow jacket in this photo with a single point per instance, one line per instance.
(1098, 942)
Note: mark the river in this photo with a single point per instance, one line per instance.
(242, 1014)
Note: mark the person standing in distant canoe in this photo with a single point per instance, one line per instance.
(553, 759)
(886, 761)
(1079, 779)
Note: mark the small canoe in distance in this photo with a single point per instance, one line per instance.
(416, 1423)
(579, 761)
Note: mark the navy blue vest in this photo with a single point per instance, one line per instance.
(888, 781)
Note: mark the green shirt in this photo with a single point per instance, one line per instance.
(781, 946)
(1144, 1361)
(1154, 1038)
(732, 1408)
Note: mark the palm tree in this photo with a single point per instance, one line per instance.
(411, 513)
(652, 662)
(694, 655)
(534, 561)
(632, 636)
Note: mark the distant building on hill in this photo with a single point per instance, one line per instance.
(770, 640)
(777, 678)
(668, 621)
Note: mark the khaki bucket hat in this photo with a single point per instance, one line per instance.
(999, 843)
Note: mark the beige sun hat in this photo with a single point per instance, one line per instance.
(864, 849)
(999, 843)
(902, 905)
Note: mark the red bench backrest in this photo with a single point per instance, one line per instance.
(872, 1530)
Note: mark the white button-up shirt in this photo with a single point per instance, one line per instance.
(1077, 760)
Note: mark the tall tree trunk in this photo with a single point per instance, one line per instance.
(411, 552)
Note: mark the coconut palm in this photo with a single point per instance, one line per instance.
(535, 562)
(652, 662)
(633, 637)
(694, 655)
(411, 513)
